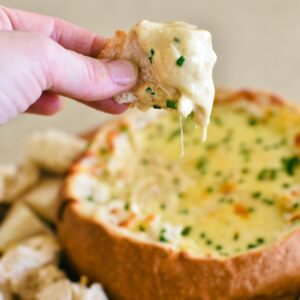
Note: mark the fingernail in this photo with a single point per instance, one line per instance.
(122, 72)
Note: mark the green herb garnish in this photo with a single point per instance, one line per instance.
(251, 246)
(184, 211)
(142, 228)
(290, 164)
(267, 174)
(150, 91)
(162, 237)
(151, 54)
(286, 185)
(90, 198)
(260, 240)
(256, 195)
(127, 206)
(171, 104)
(174, 134)
(267, 201)
(252, 121)
(186, 230)
(162, 206)
(209, 189)
(219, 247)
(201, 164)
(236, 236)
(202, 235)
(180, 61)
(103, 151)
(176, 39)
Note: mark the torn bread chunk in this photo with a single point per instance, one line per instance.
(43, 198)
(175, 61)
(38, 279)
(20, 224)
(29, 255)
(66, 290)
(55, 150)
(15, 180)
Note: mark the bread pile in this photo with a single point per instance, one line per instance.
(31, 258)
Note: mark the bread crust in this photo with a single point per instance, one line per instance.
(131, 269)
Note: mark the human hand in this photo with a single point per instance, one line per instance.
(43, 57)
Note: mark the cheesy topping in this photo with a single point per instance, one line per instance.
(238, 192)
(182, 58)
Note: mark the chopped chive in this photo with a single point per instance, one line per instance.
(209, 242)
(245, 170)
(175, 133)
(267, 174)
(103, 151)
(176, 39)
(260, 240)
(150, 91)
(268, 201)
(180, 61)
(162, 206)
(90, 198)
(127, 206)
(236, 236)
(162, 237)
(286, 185)
(171, 104)
(209, 189)
(251, 246)
(256, 195)
(202, 235)
(295, 205)
(142, 228)
(151, 54)
(258, 140)
(252, 122)
(290, 164)
(184, 211)
(186, 230)
(219, 247)
(180, 195)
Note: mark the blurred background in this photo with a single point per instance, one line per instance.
(257, 43)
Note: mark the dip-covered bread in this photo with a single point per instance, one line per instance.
(175, 60)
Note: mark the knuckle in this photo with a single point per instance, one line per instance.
(95, 76)
(5, 23)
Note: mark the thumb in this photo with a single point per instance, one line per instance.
(88, 79)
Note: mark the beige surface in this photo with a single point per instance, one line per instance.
(257, 42)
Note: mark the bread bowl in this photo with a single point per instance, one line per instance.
(246, 244)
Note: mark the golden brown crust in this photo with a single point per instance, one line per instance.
(132, 270)
(115, 46)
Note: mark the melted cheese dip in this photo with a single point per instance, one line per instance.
(237, 193)
(182, 57)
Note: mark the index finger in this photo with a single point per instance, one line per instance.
(68, 35)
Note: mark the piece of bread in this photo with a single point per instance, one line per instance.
(19, 224)
(54, 150)
(220, 223)
(36, 280)
(44, 198)
(23, 258)
(175, 62)
(16, 180)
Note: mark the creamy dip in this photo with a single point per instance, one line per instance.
(182, 57)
